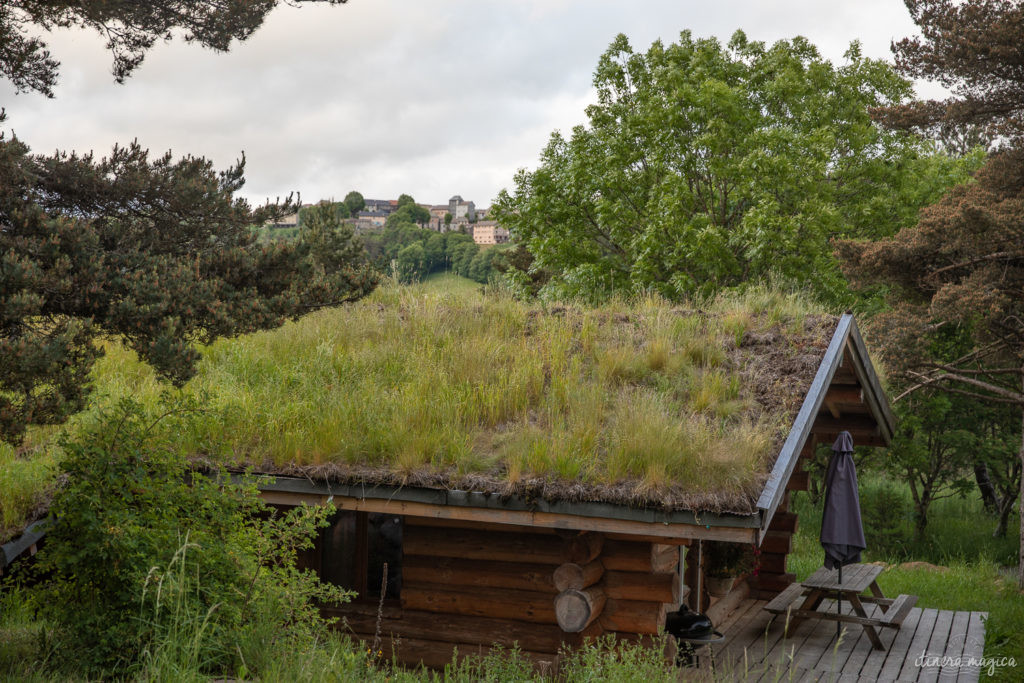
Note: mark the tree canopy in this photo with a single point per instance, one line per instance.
(706, 166)
(158, 252)
(131, 28)
(355, 202)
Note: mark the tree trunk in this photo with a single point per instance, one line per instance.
(985, 487)
(1005, 508)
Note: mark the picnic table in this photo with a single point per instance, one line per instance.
(824, 583)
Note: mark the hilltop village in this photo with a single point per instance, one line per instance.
(458, 215)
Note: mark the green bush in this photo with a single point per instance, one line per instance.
(148, 563)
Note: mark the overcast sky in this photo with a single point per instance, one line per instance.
(389, 96)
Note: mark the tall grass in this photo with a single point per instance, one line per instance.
(438, 380)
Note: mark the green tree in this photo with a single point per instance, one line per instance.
(961, 267)
(404, 199)
(411, 262)
(409, 213)
(706, 166)
(158, 252)
(355, 202)
(130, 28)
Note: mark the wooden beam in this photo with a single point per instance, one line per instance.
(407, 623)
(551, 520)
(419, 569)
(480, 602)
(833, 409)
(646, 587)
(633, 616)
(639, 557)
(777, 542)
(773, 563)
(469, 544)
(845, 395)
(855, 424)
(784, 521)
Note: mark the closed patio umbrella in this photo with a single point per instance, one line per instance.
(842, 533)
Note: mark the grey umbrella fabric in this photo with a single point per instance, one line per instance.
(842, 534)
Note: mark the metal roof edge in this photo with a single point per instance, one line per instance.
(775, 487)
(494, 501)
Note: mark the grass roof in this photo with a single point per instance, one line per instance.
(635, 402)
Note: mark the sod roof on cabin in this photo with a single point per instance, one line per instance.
(644, 404)
(641, 403)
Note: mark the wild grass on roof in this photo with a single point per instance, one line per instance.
(637, 402)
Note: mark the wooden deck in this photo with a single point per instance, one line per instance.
(932, 645)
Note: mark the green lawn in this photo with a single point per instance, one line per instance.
(450, 283)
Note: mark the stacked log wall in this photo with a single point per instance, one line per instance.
(471, 586)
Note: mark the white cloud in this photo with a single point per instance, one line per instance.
(390, 96)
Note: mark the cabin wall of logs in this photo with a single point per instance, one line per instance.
(469, 585)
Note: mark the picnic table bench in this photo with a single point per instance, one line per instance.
(824, 583)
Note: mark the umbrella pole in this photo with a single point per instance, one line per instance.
(839, 602)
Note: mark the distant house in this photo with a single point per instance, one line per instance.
(374, 218)
(461, 209)
(385, 206)
(489, 232)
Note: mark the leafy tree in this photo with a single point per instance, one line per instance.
(960, 270)
(404, 199)
(411, 262)
(131, 29)
(447, 219)
(932, 451)
(355, 202)
(706, 166)
(410, 213)
(158, 252)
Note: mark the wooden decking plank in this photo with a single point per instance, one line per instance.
(851, 654)
(929, 672)
(893, 658)
(833, 658)
(803, 648)
(745, 631)
(862, 654)
(905, 669)
(816, 651)
(973, 647)
(751, 655)
(955, 646)
(743, 608)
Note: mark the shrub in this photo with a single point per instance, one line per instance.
(147, 561)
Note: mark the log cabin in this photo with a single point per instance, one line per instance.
(548, 516)
(472, 567)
